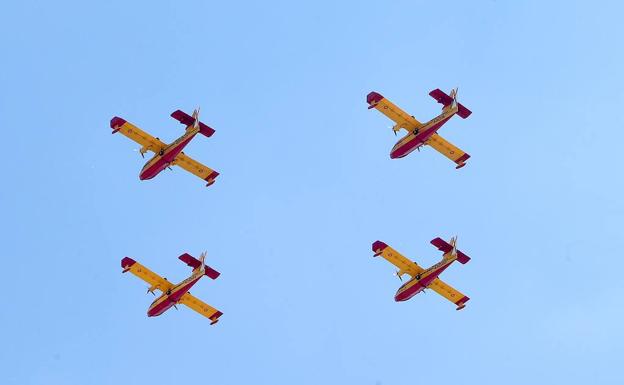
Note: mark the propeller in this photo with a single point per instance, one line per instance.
(399, 275)
(140, 152)
(149, 290)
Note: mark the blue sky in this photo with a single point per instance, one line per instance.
(306, 186)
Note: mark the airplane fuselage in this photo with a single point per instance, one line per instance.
(171, 297)
(166, 156)
(421, 281)
(418, 138)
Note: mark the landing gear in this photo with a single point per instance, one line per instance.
(418, 277)
(416, 131)
(161, 152)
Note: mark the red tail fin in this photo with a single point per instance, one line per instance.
(188, 120)
(195, 263)
(446, 247)
(446, 100)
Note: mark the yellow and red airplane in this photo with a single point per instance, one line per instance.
(425, 278)
(167, 155)
(419, 134)
(175, 294)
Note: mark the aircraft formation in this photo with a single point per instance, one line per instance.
(418, 135)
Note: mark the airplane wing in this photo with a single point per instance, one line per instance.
(386, 107)
(135, 133)
(201, 307)
(449, 293)
(447, 149)
(156, 281)
(394, 257)
(194, 167)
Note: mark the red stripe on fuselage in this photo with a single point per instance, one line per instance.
(159, 307)
(414, 286)
(411, 142)
(159, 162)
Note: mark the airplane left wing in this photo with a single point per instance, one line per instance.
(386, 107)
(201, 307)
(194, 167)
(156, 281)
(447, 149)
(449, 293)
(394, 257)
(133, 132)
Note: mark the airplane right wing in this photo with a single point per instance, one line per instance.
(447, 149)
(449, 293)
(394, 257)
(201, 307)
(156, 281)
(194, 167)
(133, 132)
(386, 107)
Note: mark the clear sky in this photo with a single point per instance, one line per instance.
(306, 186)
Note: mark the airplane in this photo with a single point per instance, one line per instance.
(167, 155)
(425, 278)
(419, 134)
(175, 294)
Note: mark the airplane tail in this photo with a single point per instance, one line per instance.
(450, 250)
(198, 265)
(192, 121)
(450, 101)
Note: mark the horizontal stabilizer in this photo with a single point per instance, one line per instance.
(446, 100)
(188, 120)
(446, 247)
(195, 263)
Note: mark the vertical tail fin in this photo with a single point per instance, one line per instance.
(450, 249)
(199, 265)
(192, 121)
(450, 101)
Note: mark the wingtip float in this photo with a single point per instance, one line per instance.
(425, 278)
(173, 294)
(421, 134)
(167, 155)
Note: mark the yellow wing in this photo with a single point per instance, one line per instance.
(386, 107)
(447, 149)
(201, 307)
(394, 257)
(133, 132)
(156, 281)
(449, 293)
(194, 167)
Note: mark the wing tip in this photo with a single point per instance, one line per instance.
(461, 161)
(215, 317)
(117, 122)
(127, 262)
(373, 98)
(211, 178)
(379, 246)
(462, 302)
